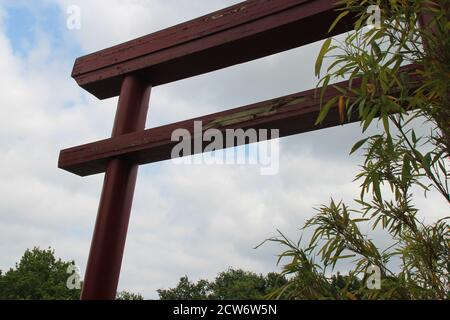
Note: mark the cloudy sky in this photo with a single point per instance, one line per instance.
(194, 220)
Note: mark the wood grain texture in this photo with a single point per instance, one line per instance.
(292, 114)
(246, 31)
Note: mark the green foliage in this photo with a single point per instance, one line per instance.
(242, 285)
(397, 161)
(229, 285)
(125, 295)
(38, 276)
(186, 290)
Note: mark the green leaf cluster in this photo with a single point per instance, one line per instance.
(398, 161)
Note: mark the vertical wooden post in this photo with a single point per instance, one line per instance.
(108, 242)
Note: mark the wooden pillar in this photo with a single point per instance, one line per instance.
(108, 242)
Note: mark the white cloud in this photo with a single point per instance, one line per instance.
(194, 220)
(105, 23)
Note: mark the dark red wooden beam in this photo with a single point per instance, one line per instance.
(246, 31)
(292, 114)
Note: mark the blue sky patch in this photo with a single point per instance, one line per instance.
(24, 23)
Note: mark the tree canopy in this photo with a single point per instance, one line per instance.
(37, 276)
(233, 284)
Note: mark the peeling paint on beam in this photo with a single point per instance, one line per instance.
(246, 31)
(291, 114)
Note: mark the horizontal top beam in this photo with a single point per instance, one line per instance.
(246, 31)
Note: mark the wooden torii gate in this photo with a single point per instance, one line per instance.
(246, 31)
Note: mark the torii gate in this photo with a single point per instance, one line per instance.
(243, 32)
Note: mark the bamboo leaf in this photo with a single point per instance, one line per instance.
(324, 112)
(369, 118)
(358, 145)
(339, 18)
(406, 170)
(322, 53)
